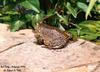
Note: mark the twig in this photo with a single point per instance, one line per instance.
(11, 47)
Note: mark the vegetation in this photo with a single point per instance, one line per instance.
(80, 17)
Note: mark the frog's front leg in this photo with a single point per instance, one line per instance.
(40, 41)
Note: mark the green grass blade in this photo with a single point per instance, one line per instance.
(82, 6)
(30, 5)
(71, 10)
(91, 4)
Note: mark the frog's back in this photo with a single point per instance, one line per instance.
(53, 37)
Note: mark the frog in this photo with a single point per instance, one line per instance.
(51, 37)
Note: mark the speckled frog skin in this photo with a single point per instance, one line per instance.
(50, 36)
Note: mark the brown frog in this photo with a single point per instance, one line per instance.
(50, 36)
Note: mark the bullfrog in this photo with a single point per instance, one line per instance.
(51, 36)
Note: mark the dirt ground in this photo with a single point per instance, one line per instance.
(20, 53)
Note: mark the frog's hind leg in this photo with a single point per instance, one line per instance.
(48, 47)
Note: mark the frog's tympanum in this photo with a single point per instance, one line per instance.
(50, 36)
